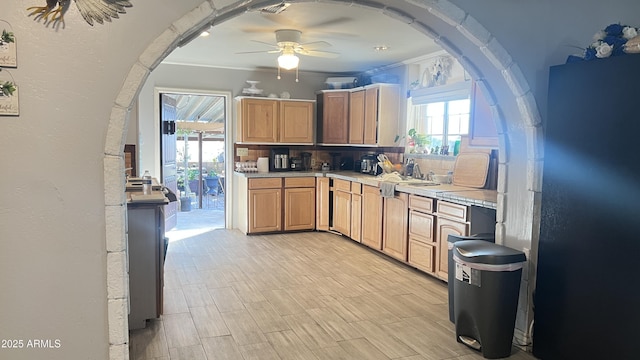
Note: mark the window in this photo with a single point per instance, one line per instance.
(441, 114)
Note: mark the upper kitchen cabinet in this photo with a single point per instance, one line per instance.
(382, 121)
(296, 122)
(367, 116)
(482, 128)
(356, 117)
(269, 121)
(333, 117)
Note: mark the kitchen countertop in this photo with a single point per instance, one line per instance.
(452, 193)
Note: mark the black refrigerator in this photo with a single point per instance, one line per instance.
(587, 297)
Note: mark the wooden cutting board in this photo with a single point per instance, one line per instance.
(471, 169)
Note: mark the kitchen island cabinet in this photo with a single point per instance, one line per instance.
(395, 225)
(146, 252)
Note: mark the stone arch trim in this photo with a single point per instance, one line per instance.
(193, 21)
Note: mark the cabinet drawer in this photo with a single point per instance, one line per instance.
(356, 188)
(453, 211)
(421, 226)
(421, 255)
(300, 182)
(421, 203)
(265, 183)
(342, 185)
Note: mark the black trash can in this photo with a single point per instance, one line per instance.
(486, 289)
(451, 266)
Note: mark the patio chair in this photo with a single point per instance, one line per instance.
(213, 189)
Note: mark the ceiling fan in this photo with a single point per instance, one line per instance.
(288, 45)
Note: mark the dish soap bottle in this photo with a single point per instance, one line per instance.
(146, 183)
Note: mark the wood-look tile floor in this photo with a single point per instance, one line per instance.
(297, 296)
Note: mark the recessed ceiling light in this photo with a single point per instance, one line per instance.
(205, 33)
(381, 48)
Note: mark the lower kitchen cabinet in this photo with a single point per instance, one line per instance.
(299, 209)
(264, 210)
(322, 203)
(445, 228)
(342, 206)
(356, 215)
(456, 219)
(372, 217)
(277, 204)
(395, 223)
(342, 212)
(422, 233)
(421, 255)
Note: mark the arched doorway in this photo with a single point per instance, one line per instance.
(461, 36)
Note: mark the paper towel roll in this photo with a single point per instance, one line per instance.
(263, 164)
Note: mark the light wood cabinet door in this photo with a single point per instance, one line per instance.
(342, 212)
(334, 107)
(445, 228)
(421, 226)
(421, 255)
(265, 212)
(356, 217)
(296, 122)
(395, 225)
(259, 120)
(372, 217)
(482, 127)
(356, 117)
(299, 209)
(371, 116)
(322, 203)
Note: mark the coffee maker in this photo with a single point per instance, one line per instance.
(279, 159)
(306, 161)
(369, 165)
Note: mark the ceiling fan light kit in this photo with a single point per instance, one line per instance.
(288, 45)
(288, 60)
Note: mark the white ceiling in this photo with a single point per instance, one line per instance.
(351, 30)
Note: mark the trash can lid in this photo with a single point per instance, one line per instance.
(452, 238)
(484, 252)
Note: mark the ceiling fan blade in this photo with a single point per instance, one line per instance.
(336, 21)
(317, 53)
(259, 52)
(266, 43)
(315, 45)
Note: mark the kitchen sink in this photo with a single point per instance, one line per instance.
(419, 183)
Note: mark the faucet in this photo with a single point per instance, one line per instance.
(417, 174)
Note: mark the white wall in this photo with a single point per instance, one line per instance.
(52, 208)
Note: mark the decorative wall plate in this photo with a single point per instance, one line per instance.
(8, 53)
(9, 104)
